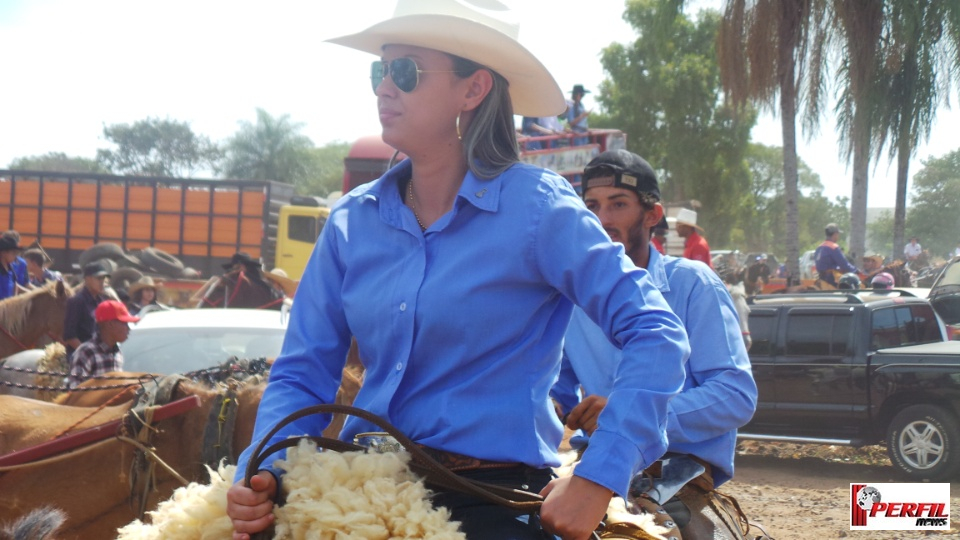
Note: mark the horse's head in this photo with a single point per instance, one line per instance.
(243, 287)
(26, 318)
(51, 308)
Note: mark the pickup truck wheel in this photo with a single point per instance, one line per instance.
(924, 442)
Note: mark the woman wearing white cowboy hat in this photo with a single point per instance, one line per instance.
(457, 272)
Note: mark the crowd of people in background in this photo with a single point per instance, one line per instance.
(575, 121)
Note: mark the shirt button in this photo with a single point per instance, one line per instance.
(403, 306)
(399, 366)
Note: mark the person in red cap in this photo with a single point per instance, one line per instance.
(101, 353)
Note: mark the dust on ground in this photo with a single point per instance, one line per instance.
(802, 491)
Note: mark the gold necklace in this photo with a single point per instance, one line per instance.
(413, 205)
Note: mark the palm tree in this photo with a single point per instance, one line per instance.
(271, 149)
(914, 73)
(776, 47)
(859, 24)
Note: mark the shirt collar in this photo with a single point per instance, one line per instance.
(657, 270)
(103, 346)
(483, 194)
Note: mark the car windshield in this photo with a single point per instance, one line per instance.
(180, 350)
(949, 280)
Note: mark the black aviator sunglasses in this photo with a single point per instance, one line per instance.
(404, 72)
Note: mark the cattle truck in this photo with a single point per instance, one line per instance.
(200, 222)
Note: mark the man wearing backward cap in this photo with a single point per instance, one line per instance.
(719, 394)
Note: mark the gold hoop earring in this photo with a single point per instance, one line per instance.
(459, 137)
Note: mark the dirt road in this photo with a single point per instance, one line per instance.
(800, 492)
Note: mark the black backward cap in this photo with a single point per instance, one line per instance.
(629, 171)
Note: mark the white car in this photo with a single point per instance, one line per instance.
(184, 340)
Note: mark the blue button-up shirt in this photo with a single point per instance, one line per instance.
(9, 279)
(460, 327)
(719, 394)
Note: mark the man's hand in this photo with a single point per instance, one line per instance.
(573, 507)
(584, 415)
(250, 508)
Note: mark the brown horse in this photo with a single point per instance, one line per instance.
(105, 468)
(115, 388)
(27, 319)
(242, 287)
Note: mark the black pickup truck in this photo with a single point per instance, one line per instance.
(856, 369)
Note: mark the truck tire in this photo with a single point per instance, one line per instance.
(122, 277)
(107, 265)
(161, 262)
(103, 250)
(923, 441)
(130, 260)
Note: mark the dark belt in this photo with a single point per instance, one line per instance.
(459, 462)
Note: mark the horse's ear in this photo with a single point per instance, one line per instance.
(61, 289)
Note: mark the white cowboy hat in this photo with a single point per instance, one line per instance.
(687, 216)
(479, 30)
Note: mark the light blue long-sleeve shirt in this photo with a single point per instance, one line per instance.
(719, 394)
(460, 327)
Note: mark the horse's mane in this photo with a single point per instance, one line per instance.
(15, 310)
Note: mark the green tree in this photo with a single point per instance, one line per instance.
(771, 48)
(270, 149)
(155, 147)
(325, 170)
(860, 25)
(920, 39)
(934, 213)
(664, 91)
(57, 162)
(764, 205)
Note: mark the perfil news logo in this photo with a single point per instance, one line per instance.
(899, 507)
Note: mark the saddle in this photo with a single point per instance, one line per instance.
(678, 491)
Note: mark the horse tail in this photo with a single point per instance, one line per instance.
(37, 525)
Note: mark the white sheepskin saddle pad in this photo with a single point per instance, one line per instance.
(329, 496)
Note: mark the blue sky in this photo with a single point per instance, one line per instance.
(72, 67)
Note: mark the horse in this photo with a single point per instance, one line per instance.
(114, 388)
(111, 466)
(242, 287)
(26, 319)
(902, 277)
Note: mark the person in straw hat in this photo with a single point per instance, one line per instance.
(144, 297)
(451, 240)
(695, 247)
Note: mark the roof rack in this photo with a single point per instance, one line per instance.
(847, 296)
(859, 296)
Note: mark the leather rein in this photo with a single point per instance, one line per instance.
(433, 472)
